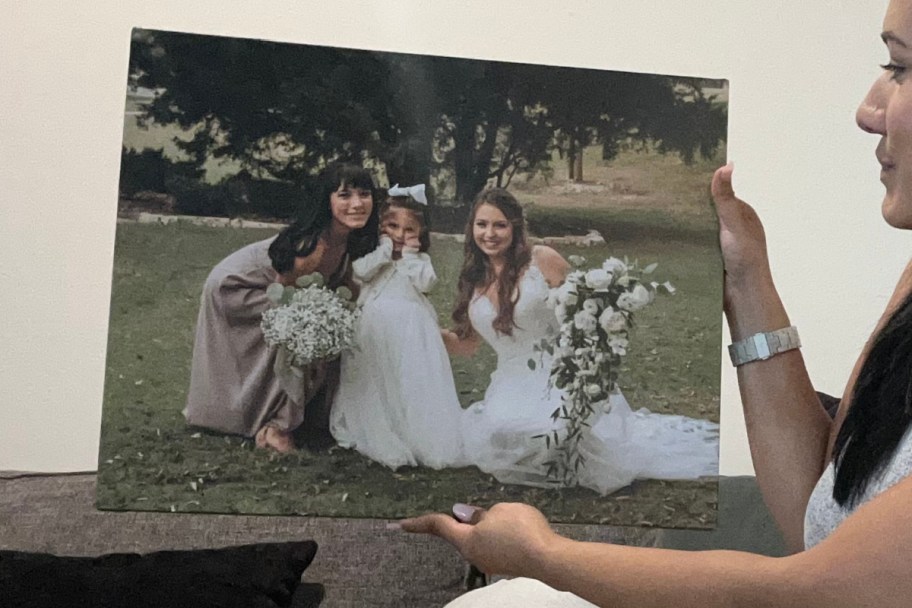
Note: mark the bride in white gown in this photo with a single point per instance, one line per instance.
(621, 445)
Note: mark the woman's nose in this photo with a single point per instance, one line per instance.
(870, 115)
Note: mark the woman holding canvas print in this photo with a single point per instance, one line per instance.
(397, 402)
(234, 387)
(839, 489)
(503, 299)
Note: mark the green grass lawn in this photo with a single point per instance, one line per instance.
(150, 460)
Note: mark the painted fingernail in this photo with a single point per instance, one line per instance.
(463, 512)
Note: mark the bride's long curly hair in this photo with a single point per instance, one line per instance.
(477, 272)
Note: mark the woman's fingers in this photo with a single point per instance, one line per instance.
(722, 190)
(728, 206)
(438, 524)
(467, 514)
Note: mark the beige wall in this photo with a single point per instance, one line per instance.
(797, 70)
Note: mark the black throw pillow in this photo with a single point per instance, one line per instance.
(266, 575)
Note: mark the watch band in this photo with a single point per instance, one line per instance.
(764, 345)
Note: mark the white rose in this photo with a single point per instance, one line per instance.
(567, 294)
(614, 266)
(598, 279)
(591, 306)
(636, 299)
(612, 321)
(618, 346)
(585, 322)
(593, 390)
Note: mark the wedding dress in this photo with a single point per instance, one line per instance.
(621, 445)
(397, 401)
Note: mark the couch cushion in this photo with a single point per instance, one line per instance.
(253, 576)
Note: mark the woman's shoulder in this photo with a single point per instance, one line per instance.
(249, 260)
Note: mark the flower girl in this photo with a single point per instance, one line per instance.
(396, 401)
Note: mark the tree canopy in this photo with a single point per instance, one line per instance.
(284, 110)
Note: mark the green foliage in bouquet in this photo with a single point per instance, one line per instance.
(594, 309)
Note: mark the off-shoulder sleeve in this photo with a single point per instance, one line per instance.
(418, 268)
(366, 267)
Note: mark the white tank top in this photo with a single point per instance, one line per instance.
(824, 515)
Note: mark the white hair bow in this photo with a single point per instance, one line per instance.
(415, 192)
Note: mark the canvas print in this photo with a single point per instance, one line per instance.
(353, 283)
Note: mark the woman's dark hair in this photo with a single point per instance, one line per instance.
(300, 238)
(418, 210)
(880, 412)
(477, 271)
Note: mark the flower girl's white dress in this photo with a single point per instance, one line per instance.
(621, 445)
(396, 401)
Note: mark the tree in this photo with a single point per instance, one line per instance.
(283, 111)
(280, 113)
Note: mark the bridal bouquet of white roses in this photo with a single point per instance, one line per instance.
(594, 309)
(310, 322)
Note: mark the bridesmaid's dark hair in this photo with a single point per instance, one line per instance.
(880, 412)
(300, 238)
(477, 271)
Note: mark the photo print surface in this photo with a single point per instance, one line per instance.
(354, 283)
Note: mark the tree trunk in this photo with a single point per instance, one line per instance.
(571, 159)
(463, 165)
(578, 166)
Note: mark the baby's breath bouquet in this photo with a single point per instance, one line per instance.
(310, 321)
(594, 309)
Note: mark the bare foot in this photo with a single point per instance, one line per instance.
(274, 439)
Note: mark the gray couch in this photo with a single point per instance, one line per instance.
(359, 562)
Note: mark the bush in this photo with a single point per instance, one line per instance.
(194, 197)
(264, 199)
(150, 170)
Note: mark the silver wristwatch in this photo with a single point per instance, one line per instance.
(764, 345)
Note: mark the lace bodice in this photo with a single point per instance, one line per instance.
(533, 319)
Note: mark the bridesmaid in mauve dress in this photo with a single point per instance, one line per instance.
(234, 386)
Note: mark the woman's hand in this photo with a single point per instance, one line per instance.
(412, 242)
(509, 539)
(741, 237)
(464, 347)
